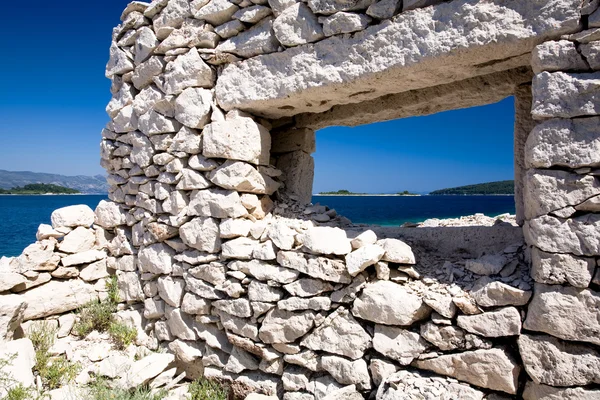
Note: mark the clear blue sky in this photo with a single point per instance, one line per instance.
(54, 94)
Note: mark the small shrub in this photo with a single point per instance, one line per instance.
(121, 334)
(54, 371)
(204, 389)
(100, 390)
(95, 315)
(20, 392)
(112, 287)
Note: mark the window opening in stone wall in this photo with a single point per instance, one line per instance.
(395, 172)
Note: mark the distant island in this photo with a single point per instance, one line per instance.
(82, 183)
(349, 193)
(490, 188)
(39, 188)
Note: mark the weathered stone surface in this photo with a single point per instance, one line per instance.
(119, 62)
(241, 248)
(442, 304)
(237, 307)
(109, 215)
(94, 271)
(502, 322)
(330, 7)
(188, 70)
(217, 203)
(264, 271)
(565, 95)
(407, 385)
(21, 359)
(579, 235)
(360, 259)
(72, 216)
(347, 372)
(215, 12)
(145, 369)
(344, 22)
(326, 240)
(293, 140)
(551, 190)
(38, 256)
(384, 9)
(260, 39)
(490, 293)
(398, 344)
(242, 177)
(492, 369)
(285, 326)
(130, 288)
(549, 361)
(192, 107)
(557, 269)
(12, 311)
(307, 287)
(237, 139)
(565, 312)
(446, 338)
(299, 169)
(328, 76)
(396, 251)
(559, 55)
(573, 143)
(57, 297)
(147, 72)
(317, 267)
(297, 25)
(489, 264)
(201, 234)
(9, 280)
(171, 290)
(340, 334)
(156, 259)
(173, 13)
(387, 303)
(543, 392)
(78, 240)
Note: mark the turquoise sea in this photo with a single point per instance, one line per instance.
(21, 215)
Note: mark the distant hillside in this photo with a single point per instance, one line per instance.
(500, 187)
(40, 188)
(84, 184)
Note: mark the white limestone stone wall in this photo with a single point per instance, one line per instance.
(213, 117)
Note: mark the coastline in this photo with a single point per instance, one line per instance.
(368, 195)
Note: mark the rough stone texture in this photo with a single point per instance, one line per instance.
(259, 39)
(558, 269)
(344, 22)
(297, 25)
(573, 143)
(565, 95)
(72, 216)
(490, 293)
(399, 344)
(387, 303)
(579, 235)
(543, 392)
(326, 240)
(492, 369)
(347, 372)
(57, 297)
(524, 124)
(408, 385)
(350, 78)
(497, 323)
(299, 170)
(551, 362)
(285, 326)
(559, 55)
(12, 311)
(565, 312)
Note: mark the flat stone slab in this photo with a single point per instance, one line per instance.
(423, 48)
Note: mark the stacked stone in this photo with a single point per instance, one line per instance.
(563, 194)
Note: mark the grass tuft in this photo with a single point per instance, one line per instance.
(121, 334)
(204, 389)
(101, 390)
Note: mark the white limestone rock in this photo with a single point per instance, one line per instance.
(348, 372)
(38, 256)
(387, 303)
(119, 63)
(260, 39)
(565, 95)
(334, 72)
(180, 324)
(543, 392)
(202, 234)
(173, 13)
(565, 312)
(72, 216)
(258, 291)
(240, 248)
(579, 235)
(284, 326)
(360, 259)
(187, 70)
(492, 369)
(217, 203)
(142, 151)
(572, 143)
(440, 303)
(229, 29)
(94, 271)
(326, 240)
(252, 14)
(297, 25)
(142, 371)
(384, 9)
(549, 361)
(489, 293)
(365, 238)
(193, 107)
(56, 297)
(201, 163)
(171, 290)
(12, 312)
(238, 307)
(330, 7)
(264, 271)
(147, 72)
(554, 56)
(406, 385)
(130, 288)
(153, 123)
(192, 180)
(235, 227)
(307, 287)
(78, 240)
(108, 215)
(489, 264)
(344, 22)
(215, 12)
(156, 259)
(558, 269)
(145, 44)
(399, 344)
(121, 99)
(497, 323)
(237, 139)
(396, 251)
(282, 235)
(242, 177)
(300, 303)
(21, 359)
(317, 267)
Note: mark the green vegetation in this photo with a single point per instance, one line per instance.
(17, 391)
(349, 193)
(204, 389)
(99, 316)
(101, 390)
(39, 188)
(341, 192)
(490, 188)
(54, 371)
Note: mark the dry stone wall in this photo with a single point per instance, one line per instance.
(221, 261)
